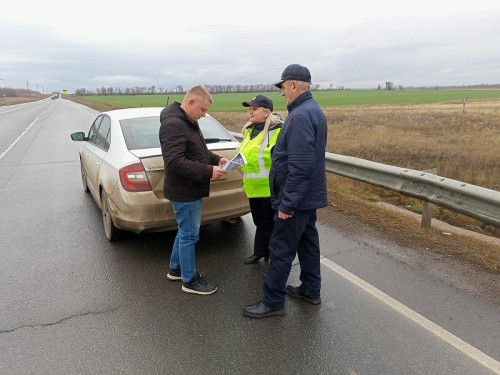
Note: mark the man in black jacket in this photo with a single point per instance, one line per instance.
(189, 166)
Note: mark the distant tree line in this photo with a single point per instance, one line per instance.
(179, 89)
(391, 86)
(218, 89)
(10, 92)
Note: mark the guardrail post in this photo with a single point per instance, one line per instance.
(427, 207)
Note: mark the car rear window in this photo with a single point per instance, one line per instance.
(143, 132)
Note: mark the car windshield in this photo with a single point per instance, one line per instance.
(142, 132)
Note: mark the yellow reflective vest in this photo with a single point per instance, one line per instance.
(258, 162)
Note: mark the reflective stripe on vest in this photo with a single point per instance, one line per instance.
(255, 173)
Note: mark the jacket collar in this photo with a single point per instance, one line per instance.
(183, 114)
(299, 100)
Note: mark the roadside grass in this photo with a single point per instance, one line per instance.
(97, 105)
(461, 143)
(408, 232)
(8, 100)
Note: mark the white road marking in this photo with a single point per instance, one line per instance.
(10, 110)
(443, 334)
(18, 138)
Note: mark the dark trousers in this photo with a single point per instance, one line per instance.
(295, 235)
(263, 218)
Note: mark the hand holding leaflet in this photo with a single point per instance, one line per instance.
(237, 161)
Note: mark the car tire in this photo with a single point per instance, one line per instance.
(84, 180)
(111, 232)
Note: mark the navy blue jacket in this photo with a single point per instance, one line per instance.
(297, 177)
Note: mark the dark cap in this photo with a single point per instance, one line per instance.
(260, 101)
(294, 72)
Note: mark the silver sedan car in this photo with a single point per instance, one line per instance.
(122, 167)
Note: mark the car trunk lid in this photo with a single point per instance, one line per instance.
(152, 160)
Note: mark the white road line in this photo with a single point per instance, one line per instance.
(10, 110)
(443, 334)
(18, 138)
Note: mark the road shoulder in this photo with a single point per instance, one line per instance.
(449, 269)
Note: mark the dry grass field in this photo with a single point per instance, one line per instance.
(462, 143)
(21, 99)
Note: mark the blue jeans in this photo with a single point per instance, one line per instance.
(188, 216)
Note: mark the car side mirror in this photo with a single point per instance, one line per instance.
(79, 136)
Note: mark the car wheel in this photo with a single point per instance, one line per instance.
(84, 180)
(112, 233)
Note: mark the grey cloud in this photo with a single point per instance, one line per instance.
(406, 51)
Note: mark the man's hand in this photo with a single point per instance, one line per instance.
(218, 172)
(283, 216)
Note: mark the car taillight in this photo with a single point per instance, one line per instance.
(133, 178)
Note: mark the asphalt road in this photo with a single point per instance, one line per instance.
(74, 303)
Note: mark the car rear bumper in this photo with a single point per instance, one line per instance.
(137, 214)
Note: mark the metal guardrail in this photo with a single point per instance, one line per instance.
(473, 201)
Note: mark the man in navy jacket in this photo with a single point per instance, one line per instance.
(298, 188)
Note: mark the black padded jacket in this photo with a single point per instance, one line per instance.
(188, 163)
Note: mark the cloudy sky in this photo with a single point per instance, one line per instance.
(54, 45)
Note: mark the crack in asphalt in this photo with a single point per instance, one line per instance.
(63, 319)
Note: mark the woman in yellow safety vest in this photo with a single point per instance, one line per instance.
(259, 137)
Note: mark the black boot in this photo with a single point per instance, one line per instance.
(252, 259)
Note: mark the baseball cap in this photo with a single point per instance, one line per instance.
(259, 101)
(294, 72)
